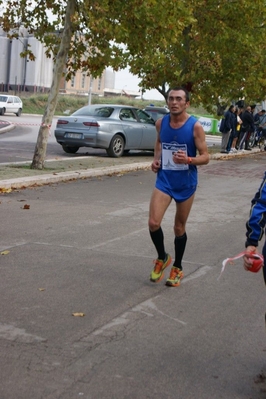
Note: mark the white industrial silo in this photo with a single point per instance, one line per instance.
(33, 71)
(46, 70)
(17, 64)
(4, 62)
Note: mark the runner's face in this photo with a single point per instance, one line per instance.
(176, 102)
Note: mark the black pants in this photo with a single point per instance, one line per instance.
(242, 139)
(247, 140)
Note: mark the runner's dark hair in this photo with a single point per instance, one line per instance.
(179, 88)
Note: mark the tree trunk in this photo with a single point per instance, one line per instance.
(41, 145)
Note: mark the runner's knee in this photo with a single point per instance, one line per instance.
(154, 225)
(179, 229)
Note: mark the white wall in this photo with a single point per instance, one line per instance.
(109, 79)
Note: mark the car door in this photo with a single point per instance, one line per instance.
(10, 104)
(133, 129)
(149, 130)
(17, 104)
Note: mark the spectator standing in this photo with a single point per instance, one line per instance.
(238, 129)
(259, 120)
(240, 114)
(229, 122)
(262, 127)
(251, 131)
(234, 133)
(246, 127)
(262, 120)
(257, 117)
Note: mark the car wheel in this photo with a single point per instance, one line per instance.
(116, 147)
(3, 110)
(69, 150)
(19, 112)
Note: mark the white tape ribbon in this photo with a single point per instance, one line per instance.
(240, 255)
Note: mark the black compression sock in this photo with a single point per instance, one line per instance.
(180, 245)
(158, 241)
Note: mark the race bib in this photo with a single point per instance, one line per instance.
(168, 151)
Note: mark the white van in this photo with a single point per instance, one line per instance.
(10, 104)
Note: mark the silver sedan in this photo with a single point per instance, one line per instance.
(116, 128)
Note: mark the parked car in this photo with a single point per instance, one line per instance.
(10, 104)
(115, 128)
(156, 112)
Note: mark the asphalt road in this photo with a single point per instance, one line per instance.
(84, 247)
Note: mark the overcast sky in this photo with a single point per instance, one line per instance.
(125, 80)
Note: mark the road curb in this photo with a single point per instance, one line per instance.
(7, 128)
(40, 180)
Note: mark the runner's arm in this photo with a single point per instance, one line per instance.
(156, 164)
(199, 138)
(256, 223)
(257, 218)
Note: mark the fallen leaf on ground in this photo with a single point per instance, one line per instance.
(5, 190)
(260, 378)
(78, 314)
(26, 206)
(41, 289)
(4, 252)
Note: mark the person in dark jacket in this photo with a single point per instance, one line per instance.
(246, 127)
(234, 133)
(255, 226)
(229, 125)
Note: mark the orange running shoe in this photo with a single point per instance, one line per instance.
(176, 275)
(157, 273)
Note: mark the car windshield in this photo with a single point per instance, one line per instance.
(156, 113)
(3, 98)
(144, 117)
(103, 112)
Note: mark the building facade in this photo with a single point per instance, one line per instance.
(18, 74)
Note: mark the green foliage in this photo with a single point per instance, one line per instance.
(36, 103)
(214, 48)
(219, 55)
(163, 41)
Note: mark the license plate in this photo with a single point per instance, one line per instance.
(73, 135)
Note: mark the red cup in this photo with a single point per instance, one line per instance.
(257, 263)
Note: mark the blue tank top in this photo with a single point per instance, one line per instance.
(178, 181)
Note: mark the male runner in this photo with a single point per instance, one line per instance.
(179, 137)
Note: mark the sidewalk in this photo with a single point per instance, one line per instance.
(19, 175)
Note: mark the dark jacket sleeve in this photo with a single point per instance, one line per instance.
(234, 121)
(227, 121)
(251, 121)
(257, 218)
